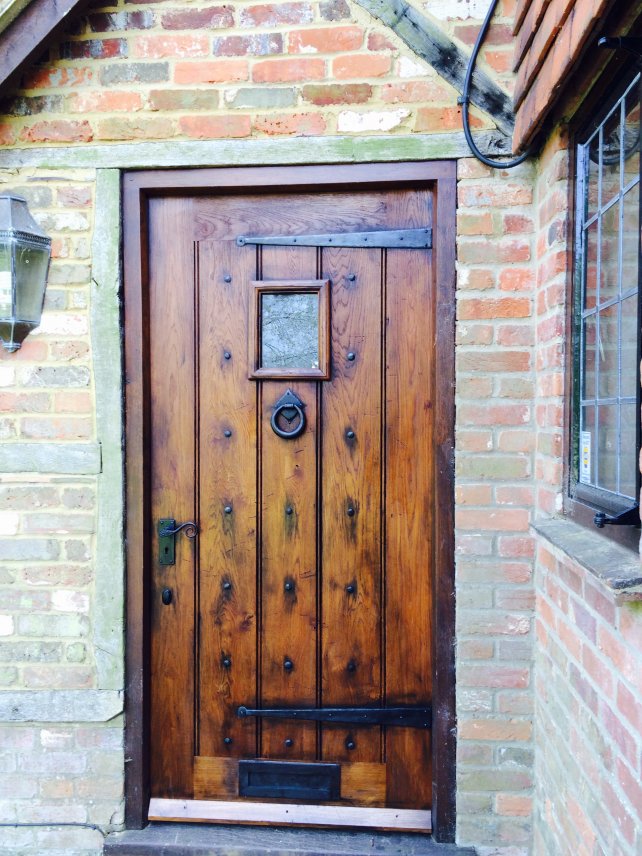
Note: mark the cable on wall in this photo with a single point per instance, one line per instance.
(465, 101)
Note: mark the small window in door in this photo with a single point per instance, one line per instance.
(290, 329)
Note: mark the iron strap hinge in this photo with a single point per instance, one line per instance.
(407, 717)
(397, 239)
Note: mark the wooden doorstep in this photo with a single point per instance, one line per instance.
(218, 811)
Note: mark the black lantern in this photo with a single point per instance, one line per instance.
(25, 251)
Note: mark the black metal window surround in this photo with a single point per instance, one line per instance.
(605, 435)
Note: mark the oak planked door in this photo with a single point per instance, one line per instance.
(310, 583)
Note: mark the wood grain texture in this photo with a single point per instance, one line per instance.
(228, 596)
(351, 658)
(409, 503)
(288, 545)
(288, 814)
(173, 459)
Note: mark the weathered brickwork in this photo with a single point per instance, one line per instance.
(166, 71)
(588, 715)
(60, 774)
(46, 395)
(494, 500)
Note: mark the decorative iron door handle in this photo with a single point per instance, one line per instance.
(290, 407)
(167, 531)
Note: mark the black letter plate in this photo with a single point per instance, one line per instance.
(289, 780)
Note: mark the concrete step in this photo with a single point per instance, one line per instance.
(197, 839)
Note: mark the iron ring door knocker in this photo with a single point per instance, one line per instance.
(290, 407)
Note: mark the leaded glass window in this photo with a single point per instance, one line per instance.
(606, 436)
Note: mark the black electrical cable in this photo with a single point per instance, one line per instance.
(465, 101)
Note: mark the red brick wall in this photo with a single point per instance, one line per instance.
(588, 714)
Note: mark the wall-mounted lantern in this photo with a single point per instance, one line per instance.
(25, 251)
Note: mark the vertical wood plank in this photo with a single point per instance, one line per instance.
(289, 546)
(351, 515)
(409, 506)
(173, 452)
(228, 486)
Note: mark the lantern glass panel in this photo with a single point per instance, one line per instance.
(31, 272)
(6, 303)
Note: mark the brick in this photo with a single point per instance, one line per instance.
(105, 22)
(63, 677)
(495, 729)
(326, 39)
(218, 71)
(502, 307)
(288, 70)
(334, 10)
(494, 195)
(513, 805)
(275, 14)
(58, 131)
(335, 93)
(493, 415)
(211, 127)
(303, 124)
(160, 47)
(493, 677)
(29, 106)
(55, 77)
(105, 102)
(94, 49)
(42, 625)
(353, 66)
(15, 549)
(495, 361)
(135, 129)
(505, 519)
(135, 72)
(261, 44)
(209, 18)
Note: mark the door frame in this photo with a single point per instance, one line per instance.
(137, 188)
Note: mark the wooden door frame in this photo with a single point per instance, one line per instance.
(138, 186)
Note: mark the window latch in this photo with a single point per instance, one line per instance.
(630, 517)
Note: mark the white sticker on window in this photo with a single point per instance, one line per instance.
(585, 457)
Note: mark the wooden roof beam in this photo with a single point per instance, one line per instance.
(28, 35)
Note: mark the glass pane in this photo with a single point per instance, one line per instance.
(587, 445)
(608, 353)
(611, 158)
(590, 286)
(632, 136)
(588, 372)
(607, 446)
(610, 245)
(592, 179)
(629, 357)
(31, 270)
(290, 331)
(5, 281)
(628, 458)
(630, 238)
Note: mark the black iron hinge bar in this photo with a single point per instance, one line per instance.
(407, 717)
(398, 239)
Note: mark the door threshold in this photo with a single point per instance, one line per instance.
(189, 839)
(289, 814)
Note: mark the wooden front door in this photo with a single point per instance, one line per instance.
(293, 406)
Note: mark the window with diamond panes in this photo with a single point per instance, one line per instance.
(606, 434)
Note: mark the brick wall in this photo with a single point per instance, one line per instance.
(163, 71)
(494, 500)
(588, 714)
